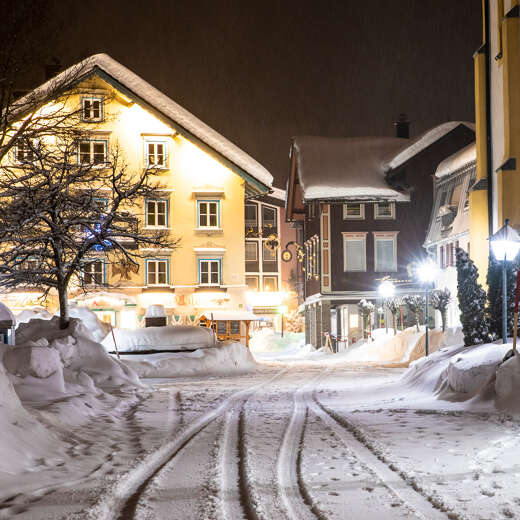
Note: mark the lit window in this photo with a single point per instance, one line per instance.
(209, 272)
(354, 252)
(208, 213)
(234, 327)
(251, 252)
(221, 327)
(270, 283)
(353, 210)
(269, 218)
(93, 152)
(384, 209)
(93, 272)
(252, 283)
(24, 151)
(157, 213)
(385, 245)
(251, 216)
(92, 109)
(157, 272)
(155, 154)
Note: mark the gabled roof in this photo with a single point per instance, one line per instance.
(458, 160)
(345, 168)
(421, 142)
(123, 79)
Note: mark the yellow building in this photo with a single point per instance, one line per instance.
(205, 181)
(494, 196)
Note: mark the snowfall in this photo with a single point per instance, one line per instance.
(181, 426)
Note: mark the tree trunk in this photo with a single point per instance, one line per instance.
(417, 322)
(394, 319)
(64, 307)
(443, 319)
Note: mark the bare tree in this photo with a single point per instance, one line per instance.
(416, 306)
(440, 301)
(393, 305)
(60, 212)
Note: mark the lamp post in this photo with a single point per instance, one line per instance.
(386, 290)
(505, 244)
(426, 272)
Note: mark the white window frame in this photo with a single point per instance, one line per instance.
(247, 222)
(361, 216)
(255, 243)
(257, 278)
(154, 143)
(274, 277)
(386, 235)
(350, 237)
(210, 261)
(92, 143)
(265, 207)
(157, 261)
(155, 203)
(91, 99)
(208, 214)
(265, 249)
(382, 217)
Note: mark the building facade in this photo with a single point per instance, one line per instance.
(364, 205)
(204, 181)
(449, 223)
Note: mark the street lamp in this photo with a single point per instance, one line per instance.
(386, 290)
(505, 244)
(426, 272)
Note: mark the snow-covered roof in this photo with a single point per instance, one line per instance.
(277, 193)
(230, 315)
(457, 161)
(418, 144)
(138, 87)
(6, 315)
(345, 168)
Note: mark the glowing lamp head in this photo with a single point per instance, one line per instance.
(282, 309)
(427, 271)
(505, 243)
(386, 289)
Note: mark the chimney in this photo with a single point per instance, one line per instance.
(52, 68)
(402, 127)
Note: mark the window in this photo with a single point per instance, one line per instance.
(94, 272)
(92, 109)
(385, 247)
(93, 152)
(354, 252)
(268, 254)
(221, 327)
(234, 327)
(155, 154)
(208, 213)
(252, 283)
(270, 283)
(209, 272)
(353, 210)
(441, 257)
(157, 272)
(251, 252)
(251, 216)
(157, 213)
(384, 209)
(269, 218)
(24, 151)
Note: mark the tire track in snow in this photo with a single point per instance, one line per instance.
(426, 505)
(120, 502)
(295, 497)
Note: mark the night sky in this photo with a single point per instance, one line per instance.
(260, 72)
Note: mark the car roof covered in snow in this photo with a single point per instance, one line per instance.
(458, 160)
(416, 145)
(6, 316)
(345, 167)
(183, 121)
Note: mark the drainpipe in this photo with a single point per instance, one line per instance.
(489, 144)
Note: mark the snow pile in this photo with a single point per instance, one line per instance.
(179, 337)
(98, 330)
(228, 358)
(507, 384)
(31, 314)
(267, 340)
(49, 362)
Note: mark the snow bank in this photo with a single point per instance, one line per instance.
(228, 358)
(97, 329)
(507, 384)
(267, 340)
(49, 362)
(179, 337)
(31, 314)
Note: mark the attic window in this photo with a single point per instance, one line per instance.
(384, 209)
(92, 109)
(353, 210)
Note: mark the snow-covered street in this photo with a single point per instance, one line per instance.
(298, 441)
